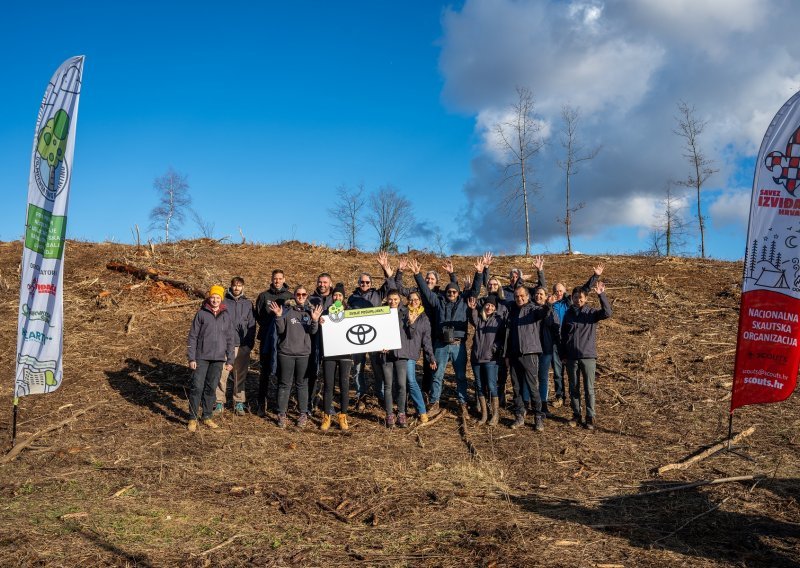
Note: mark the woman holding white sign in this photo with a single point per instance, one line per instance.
(340, 364)
(296, 321)
(414, 331)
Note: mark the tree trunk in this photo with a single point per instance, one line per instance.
(567, 219)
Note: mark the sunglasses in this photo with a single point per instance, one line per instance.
(301, 295)
(365, 282)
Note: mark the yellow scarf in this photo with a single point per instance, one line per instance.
(414, 313)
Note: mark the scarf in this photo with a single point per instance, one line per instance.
(414, 313)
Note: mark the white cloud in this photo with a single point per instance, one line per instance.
(626, 64)
(731, 208)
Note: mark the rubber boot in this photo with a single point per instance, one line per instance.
(484, 411)
(495, 411)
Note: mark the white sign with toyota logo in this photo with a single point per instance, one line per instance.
(360, 331)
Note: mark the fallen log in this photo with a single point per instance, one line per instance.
(705, 453)
(152, 274)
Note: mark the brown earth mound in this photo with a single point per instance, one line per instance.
(124, 483)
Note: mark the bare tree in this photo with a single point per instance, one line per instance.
(205, 227)
(346, 213)
(575, 154)
(520, 139)
(173, 199)
(669, 234)
(690, 128)
(392, 217)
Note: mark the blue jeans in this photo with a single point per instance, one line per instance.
(456, 353)
(544, 375)
(413, 386)
(203, 390)
(485, 378)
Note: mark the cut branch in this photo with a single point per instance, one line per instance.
(152, 274)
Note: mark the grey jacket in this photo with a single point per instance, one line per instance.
(211, 337)
(414, 336)
(579, 330)
(295, 328)
(244, 320)
(489, 338)
(524, 328)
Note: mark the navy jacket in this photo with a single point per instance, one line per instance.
(579, 330)
(524, 328)
(211, 337)
(487, 344)
(413, 336)
(244, 321)
(264, 315)
(448, 314)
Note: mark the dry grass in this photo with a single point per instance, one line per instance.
(437, 496)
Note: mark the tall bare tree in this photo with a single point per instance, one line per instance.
(520, 139)
(669, 234)
(690, 128)
(346, 213)
(173, 200)
(392, 217)
(574, 155)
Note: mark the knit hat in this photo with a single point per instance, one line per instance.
(218, 290)
(338, 288)
(491, 299)
(451, 286)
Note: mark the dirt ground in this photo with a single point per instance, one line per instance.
(124, 484)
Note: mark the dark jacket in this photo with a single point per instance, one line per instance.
(264, 315)
(579, 330)
(317, 299)
(508, 290)
(211, 337)
(371, 298)
(295, 328)
(489, 338)
(448, 314)
(244, 321)
(524, 328)
(405, 291)
(413, 336)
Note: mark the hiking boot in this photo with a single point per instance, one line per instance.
(538, 423)
(390, 420)
(558, 402)
(302, 420)
(423, 418)
(281, 420)
(326, 422)
(402, 421)
(208, 423)
(484, 411)
(261, 412)
(519, 421)
(217, 409)
(574, 421)
(590, 423)
(239, 409)
(545, 410)
(433, 409)
(495, 411)
(343, 422)
(192, 427)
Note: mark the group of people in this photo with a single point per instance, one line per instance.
(520, 331)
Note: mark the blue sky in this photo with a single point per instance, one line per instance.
(268, 107)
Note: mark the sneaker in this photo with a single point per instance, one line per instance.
(558, 402)
(218, 409)
(519, 421)
(402, 422)
(302, 420)
(281, 421)
(343, 422)
(589, 423)
(573, 422)
(239, 409)
(208, 423)
(326, 422)
(538, 424)
(192, 425)
(423, 417)
(390, 420)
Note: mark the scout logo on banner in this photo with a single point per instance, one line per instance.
(40, 331)
(767, 356)
(346, 332)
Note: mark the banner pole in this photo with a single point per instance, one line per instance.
(730, 429)
(14, 422)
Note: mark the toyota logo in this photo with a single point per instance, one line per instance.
(361, 334)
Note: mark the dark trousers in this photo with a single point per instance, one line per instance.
(269, 366)
(525, 370)
(502, 379)
(203, 390)
(558, 375)
(292, 370)
(575, 369)
(394, 373)
(333, 369)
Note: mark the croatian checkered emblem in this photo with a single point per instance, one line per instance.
(787, 166)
